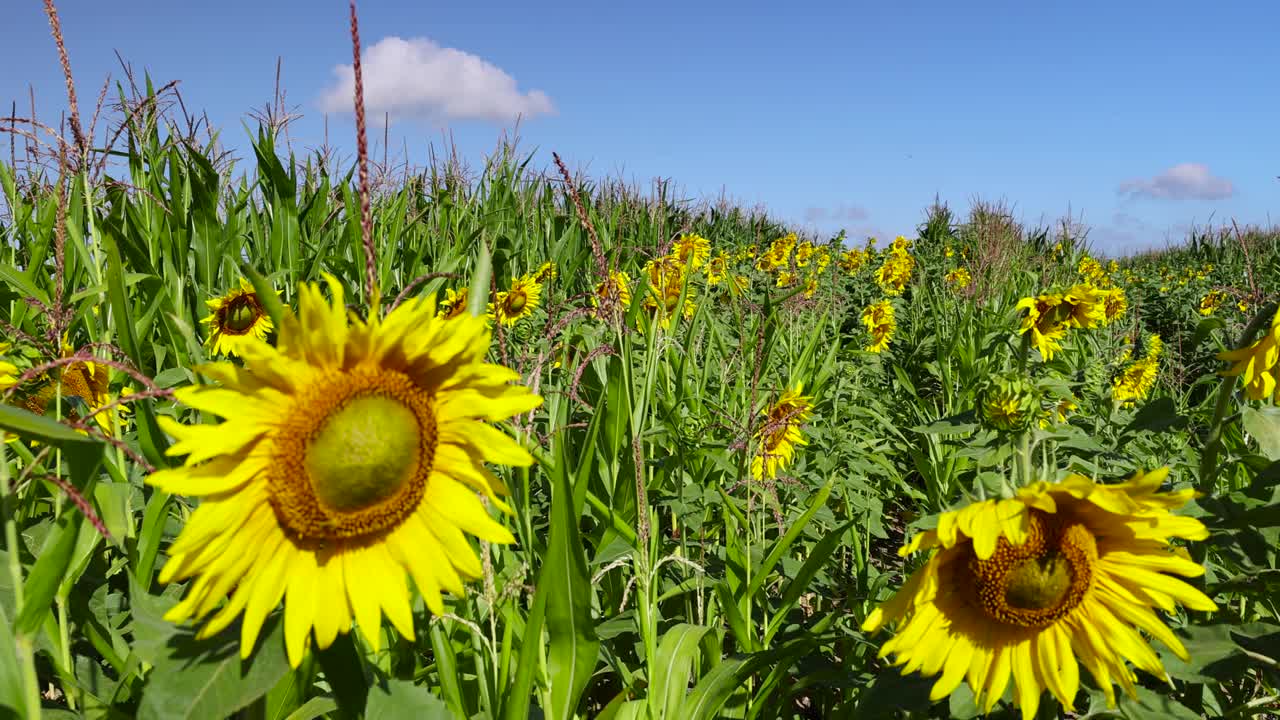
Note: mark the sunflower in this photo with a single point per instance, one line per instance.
(1256, 363)
(1027, 586)
(545, 273)
(519, 302)
(8, 371)
(786, 279)
(666, 285)
(895, 273)
(810, 286)
(237, 317)
(852, 260)
(1211, 301)
(1137, 379)
(1115, 304)
(350, 455)
(454, 304)
(83, 387)
(821, 260)
(804, 253)
(618, 284)
(1042, 321)
(959, 278)
(780, 435)
(691, 251)
(717, 268)
(1083, 306)
(879, 321)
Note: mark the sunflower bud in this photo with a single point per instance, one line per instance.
(1008, 402)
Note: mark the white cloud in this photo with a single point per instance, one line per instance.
(838, 213)
(1186, 181)
(418, 79)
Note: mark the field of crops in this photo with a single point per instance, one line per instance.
(520, 443)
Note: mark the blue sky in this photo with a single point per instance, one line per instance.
(1140, 118)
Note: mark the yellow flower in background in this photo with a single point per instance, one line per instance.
(1114, 305)
(691, 250)
(1091, 270)
(83, 387)
(511, 306)
(1083, 306)
(810, 286)
(879, 321)
(618, 284)
(1042, 321)
(948, 252)
(349, 459)
(900, 245)
(1136, 381)
(1059, 412)
(717, 268)
(544, 274)
(821, 260)
(666, 285)
(804, 253)
(780, 434)
(238, 317)
(783, 246)
(1242, 306)
(739, 284)
(454, 304)
(1256, 363)
(959, 278)
(1030, 588)
(895, 273)
(852, 260)
(8, 371)
(786, 278)
(1211, 302)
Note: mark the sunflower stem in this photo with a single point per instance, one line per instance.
(25, 651)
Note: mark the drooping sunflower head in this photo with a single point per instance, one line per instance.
(519, 302)
(1031, 587)
(237, 317)
(351, 457)
(880, 323)
(780, 434)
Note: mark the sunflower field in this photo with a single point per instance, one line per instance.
(284, 440)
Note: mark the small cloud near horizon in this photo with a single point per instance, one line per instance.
(418, 79)
(839, 213)
(1185, 181)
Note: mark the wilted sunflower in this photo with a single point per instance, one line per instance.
(237, 318)
(1025, 587)
(1042, 321)
(879, 321)
(511, 306)
(691, 251)
(454, 304)
(1256, 363)
(350, 456)
(619, 284)
(780, 434)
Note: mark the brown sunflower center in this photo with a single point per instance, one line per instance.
(239, 314)
(352, 456)
(1039, 582)
(516, 301)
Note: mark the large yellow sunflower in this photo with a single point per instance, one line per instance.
(351, 456)
(237, 317)
(1025, 587)
(691, 251)
(780, 434)
(519, 302)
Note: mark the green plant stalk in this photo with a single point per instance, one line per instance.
(1226, 389)
(26, 656)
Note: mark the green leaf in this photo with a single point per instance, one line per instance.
(1149, 705)
(266, 293)
(784, 543)
(345, 670)
(478, 295)
(12, 699)
(196, 679)
(1264, 425)
(1158, 415)
(676, 654)
(51, 565)
(823, 551)
(314, 708)
(399, 700)
(30, 426)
